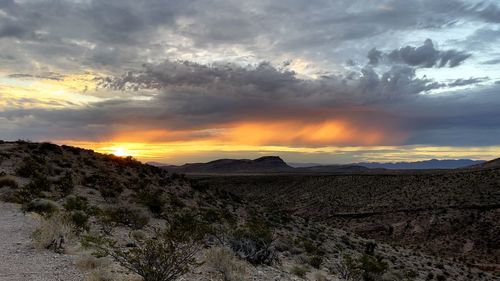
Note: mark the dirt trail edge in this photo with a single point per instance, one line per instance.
(19, 261)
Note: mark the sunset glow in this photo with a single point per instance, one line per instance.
(179, 86)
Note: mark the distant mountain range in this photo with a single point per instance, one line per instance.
(417, 165)
(274, 164)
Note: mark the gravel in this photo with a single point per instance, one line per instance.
(19, 261)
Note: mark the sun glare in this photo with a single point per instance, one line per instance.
(120, 151)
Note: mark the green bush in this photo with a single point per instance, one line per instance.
(187, 226)
(76, 203)
(33, 190)
(161, 258)
(315, 261)
(299, 271)
(372, 268)
(252, 242)
(66, 184)
(80, 220)
(131, 217)
(43, 207)
(153, 199)
(30, 168)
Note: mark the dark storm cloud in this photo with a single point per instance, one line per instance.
(423, 56)
(101, 33)
(114, 36)
(190, 96)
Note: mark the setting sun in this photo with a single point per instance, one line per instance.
(120, 151)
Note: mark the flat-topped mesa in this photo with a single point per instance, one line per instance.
(274, 161)
(266, 164)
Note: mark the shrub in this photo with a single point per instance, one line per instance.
(28, 168)
(54, 233)
(66, 184)
(253, 242)
(186, 225)
(74, 203)
(34, 189)
(154, 200)
(226, 263)
(131, 217)
(372, 267)
(8, 182)
(347, 269)
(299, 271)
(43, 207)
(80, 220)
(315, 261)
(158, 259)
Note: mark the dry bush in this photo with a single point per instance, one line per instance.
(54, 233)
(225, 262)
(42, 206)
(161, 258)
(7, 181)
(299, 271)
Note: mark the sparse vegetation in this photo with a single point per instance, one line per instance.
(127, 216)
(253, 240)
(81, 193)
(54, 233)
(161, 258)
(223, 261)
(299, 271)
(43, 207)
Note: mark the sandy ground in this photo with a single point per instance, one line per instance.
(19, 261)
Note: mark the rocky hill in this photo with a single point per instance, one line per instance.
(127, 213)
(266, 164)
(262, 165)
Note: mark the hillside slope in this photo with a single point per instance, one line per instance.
(126, 201)
(453, 214)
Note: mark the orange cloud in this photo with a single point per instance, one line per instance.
(324, 133)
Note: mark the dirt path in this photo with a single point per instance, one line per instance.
(19, 261)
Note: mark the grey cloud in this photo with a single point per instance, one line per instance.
(143, 30)
(427, 56)
(193, 96)
(465, 82)
(374, 56)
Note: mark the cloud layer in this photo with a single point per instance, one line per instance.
(222, 72)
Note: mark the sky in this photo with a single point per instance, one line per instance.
(310, 81)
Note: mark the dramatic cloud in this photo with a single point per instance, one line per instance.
(424, 56)
(222, 73)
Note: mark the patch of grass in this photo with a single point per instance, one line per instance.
(41, 206)
(54, 233)
(127, 216)
(224, 261)
(299, 271)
